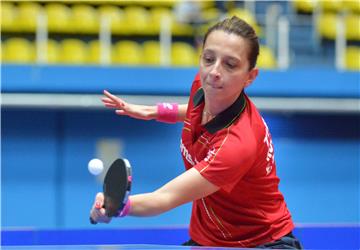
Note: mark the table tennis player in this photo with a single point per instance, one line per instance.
(230, 171)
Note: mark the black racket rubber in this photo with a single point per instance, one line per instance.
(116, 187)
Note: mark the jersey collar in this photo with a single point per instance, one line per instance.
(225, 118)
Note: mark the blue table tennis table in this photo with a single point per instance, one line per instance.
(114, 247)
(312, 237)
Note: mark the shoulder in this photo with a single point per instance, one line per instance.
(196, 84)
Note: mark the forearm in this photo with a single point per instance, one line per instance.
(148, 112)
(182, 112)
(185, 188)
(149, 204)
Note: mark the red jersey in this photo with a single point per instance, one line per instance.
(233, 151)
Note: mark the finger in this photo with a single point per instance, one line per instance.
(120, 112)
(114, 98)
(109, 95)
(99, 200)
(106, 99)
(98, 205)
(102, 212)
(110, 105)
(100, 215)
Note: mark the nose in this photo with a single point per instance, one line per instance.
(215, 71)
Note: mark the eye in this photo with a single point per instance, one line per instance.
(208, 59)
(230, 65)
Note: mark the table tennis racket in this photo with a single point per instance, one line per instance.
(116, 187)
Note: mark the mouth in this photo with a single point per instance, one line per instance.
(214, 86)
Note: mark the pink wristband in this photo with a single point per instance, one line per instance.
(125, 211)
(167, 112)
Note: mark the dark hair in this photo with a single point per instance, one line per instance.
(235, 25)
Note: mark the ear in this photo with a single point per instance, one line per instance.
(253, 73)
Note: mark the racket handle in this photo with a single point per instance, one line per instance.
(92, 221)
(97, 206)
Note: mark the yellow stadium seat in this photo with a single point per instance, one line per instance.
(1, 51)
(351, 5)
(116, 16)
(154, 3)
(157, 15)
(94, 52)
(206, 4)
(73, 51)
(53, 52)
(18, 50)
(304, 6)
(137, 21)
(247, 16)
(266, 59)
(127, 52)
(210, 14)
(352, 58)
(58, 17)
(8, 16)
(330, 6)
(182, 54)
(181, 29)
(352, 23)
(27, 16)
(326, 25)
(151, 50)
(85, 19)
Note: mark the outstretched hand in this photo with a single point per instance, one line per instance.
(142, 112)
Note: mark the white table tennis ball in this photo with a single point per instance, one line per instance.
(95, 166)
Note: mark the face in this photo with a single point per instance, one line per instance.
(224, 66)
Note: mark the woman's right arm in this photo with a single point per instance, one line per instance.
(143, 112)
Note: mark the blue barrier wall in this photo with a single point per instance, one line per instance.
(45, 182)
(172, 81)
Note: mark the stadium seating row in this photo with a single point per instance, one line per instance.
(308, 6)
(327, 26)
(83, 18)
(76, 51)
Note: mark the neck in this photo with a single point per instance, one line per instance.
(214, 107)
(210, 111)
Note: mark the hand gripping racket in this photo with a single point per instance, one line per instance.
(116, 187)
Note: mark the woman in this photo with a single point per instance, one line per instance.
(227, 150)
